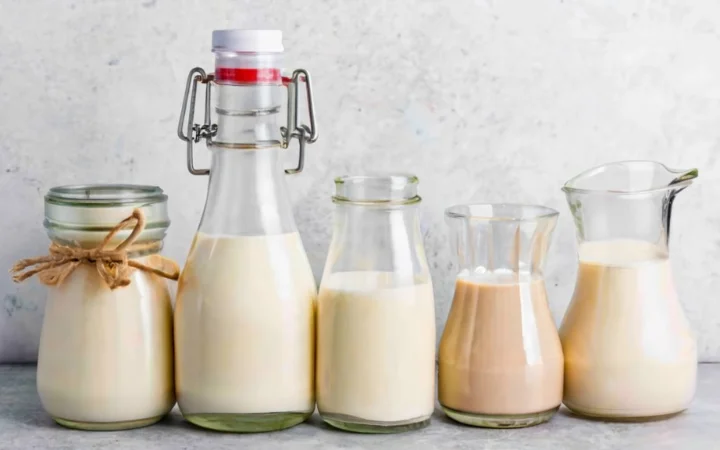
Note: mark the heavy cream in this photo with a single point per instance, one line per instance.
(105, 357)
(629, 351)
(376, 348)
(244, 326)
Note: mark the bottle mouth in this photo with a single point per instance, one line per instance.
(501, 212)
(630, 178)
(377, 189)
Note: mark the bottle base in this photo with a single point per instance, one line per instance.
(248, 423)
(107, 426)
(500, 420)
(614, 417)
(358, 425)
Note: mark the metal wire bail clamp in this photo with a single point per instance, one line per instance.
(191, 132)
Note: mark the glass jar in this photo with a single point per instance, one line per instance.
(630, 354)
(106, 355)
(500, 358)
(376, 314)
(245, 311)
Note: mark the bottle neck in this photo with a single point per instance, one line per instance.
(378, 239)
(247, 194)
(247, 115)
(377, 228)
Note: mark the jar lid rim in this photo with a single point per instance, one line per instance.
(97, 194)
(396, 179)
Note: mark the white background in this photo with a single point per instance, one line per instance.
(485, 101)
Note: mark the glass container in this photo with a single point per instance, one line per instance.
(245, 312)
(376, 316)
(629, 350)
(105, 360)
(500, 359)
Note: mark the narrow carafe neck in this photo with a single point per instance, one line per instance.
(247, 194)
(500, 241)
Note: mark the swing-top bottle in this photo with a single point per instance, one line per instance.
(244, 318)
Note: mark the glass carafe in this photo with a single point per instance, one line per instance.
(376, 313)
(244, 317)
(500, 359)
(629, 351)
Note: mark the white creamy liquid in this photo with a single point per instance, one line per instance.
(629, 351)
(244, 326)
(376, 348)
(106, 356)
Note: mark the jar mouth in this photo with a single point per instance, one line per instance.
(377, 189)
(508, 212)
(84, 214)
(105, 195)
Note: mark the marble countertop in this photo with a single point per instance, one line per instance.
(24, 425)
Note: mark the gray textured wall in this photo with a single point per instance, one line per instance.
(483, 100)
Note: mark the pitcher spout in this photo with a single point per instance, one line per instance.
(626, 200)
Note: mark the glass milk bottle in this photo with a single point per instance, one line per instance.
(244, 316)
(105, 360)
(376, 316)
(500, 359)
(629, 351)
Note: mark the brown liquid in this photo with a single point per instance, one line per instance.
(500, 353)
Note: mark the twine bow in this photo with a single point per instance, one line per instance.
(113, 265)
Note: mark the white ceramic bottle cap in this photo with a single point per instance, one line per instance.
(260, 41)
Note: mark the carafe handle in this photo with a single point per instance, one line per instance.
(680, 182)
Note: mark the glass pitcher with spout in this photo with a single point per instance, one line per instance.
(500, 359)
(244, 317)
(629, 350)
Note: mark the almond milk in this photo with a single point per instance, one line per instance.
(629, 351)
(245, 327)
(105, 358)
(376, 349)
